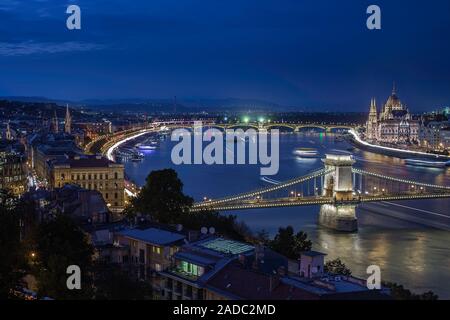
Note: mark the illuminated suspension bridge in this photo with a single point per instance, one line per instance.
(338, 188)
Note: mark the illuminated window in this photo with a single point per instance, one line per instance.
(190, 268)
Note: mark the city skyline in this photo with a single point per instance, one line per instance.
(317, 56)
(181, 151)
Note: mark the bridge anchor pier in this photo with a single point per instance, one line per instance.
(339, 217)
(338, 183)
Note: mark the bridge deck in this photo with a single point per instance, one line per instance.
(309, 201)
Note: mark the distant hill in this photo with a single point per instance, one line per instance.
(167, 105)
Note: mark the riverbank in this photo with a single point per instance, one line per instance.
(356, 141)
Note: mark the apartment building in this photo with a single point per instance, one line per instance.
(150, 251)
(92, 172)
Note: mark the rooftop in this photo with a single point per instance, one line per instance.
(195, 258)
(152, 236)
(85, 162)
(225, 246)
(312, 253)
(238, 282)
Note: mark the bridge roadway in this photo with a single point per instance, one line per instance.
(309, 201)
(101, 143)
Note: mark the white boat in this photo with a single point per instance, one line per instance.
(306, 152)
(427, 163)
(142, 146)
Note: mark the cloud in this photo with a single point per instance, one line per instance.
(31, 47)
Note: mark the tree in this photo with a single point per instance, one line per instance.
(59, 244)
(12, 261)
(262, 237)
(336, 266)
(398, 292)
(112, 283)
(162, 197)
(290, 245)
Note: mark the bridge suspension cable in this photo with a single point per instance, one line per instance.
(381, 176)
(254, 193)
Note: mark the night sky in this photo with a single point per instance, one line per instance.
(306, 53)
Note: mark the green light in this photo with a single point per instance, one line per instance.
(246, 119)
(261, 119)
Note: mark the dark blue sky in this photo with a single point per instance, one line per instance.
(308, 53)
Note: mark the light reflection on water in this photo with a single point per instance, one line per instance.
(408, 253)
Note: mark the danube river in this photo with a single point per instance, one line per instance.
(406, 239)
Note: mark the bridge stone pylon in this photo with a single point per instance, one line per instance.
(338, 184)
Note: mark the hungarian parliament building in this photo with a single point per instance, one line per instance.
(394, 124)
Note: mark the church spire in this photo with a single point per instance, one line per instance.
(55, 123)
(68, 121)
(8, 132)
(373, 106)
(394, 89)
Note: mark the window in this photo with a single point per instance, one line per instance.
(116, 195)
(89, 176)
(190, 268)
(116, 176)
(95, 176)
(106, 195)
(106, 176)
(141, 256)
(156, 250)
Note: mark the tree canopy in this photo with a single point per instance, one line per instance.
(162, 197)
(12, 258)
(289, 244)
(59, 244)
(336, 266)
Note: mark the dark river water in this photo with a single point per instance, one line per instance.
(406, 239)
